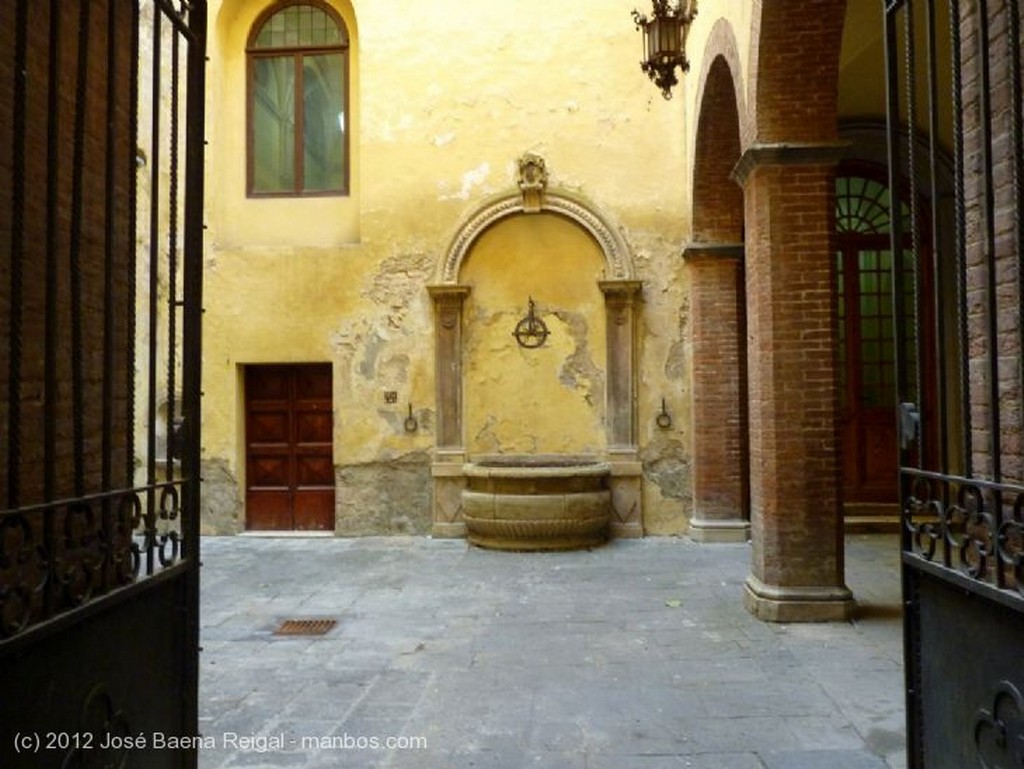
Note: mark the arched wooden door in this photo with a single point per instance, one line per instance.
(867, 347)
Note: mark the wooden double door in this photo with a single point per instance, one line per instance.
(289, 438)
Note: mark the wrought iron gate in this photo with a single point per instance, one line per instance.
(101, 130)
(954, 75)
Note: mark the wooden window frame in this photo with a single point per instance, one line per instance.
(252, 52)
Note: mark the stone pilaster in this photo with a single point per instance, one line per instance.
(719, 393)
(621, 298)
(449, 452)
(796, 513)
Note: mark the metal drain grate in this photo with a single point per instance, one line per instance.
(305, 626)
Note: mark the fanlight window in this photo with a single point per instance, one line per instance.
(298, 92)
(862, 207)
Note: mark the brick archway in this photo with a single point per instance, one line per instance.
(795, 71)
(714, 262)
(787, 175)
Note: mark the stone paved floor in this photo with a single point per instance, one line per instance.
(638, 655)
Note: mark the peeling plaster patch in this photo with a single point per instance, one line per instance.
(394, 370)
(368, 365)
(667, 467)
(400, 277)
(470, 179)
(579, 370)
(388, 132)
(444, 139)
(675, 363)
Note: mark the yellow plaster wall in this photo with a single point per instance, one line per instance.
(444, 98)
(548, 400)
(271, 222)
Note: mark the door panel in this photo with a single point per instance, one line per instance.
(289, 447)
(868, 360)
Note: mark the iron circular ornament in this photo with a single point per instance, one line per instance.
(531, 332)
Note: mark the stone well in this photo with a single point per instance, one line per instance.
(537, 502)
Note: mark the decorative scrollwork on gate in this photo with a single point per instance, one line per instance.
(81, 553)
(23, 569)
(999, 731)
(970, 526)
(1010, 538)
(58, 557)
(96, 741)
(169, 537)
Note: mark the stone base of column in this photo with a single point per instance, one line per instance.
(727, 530)
(773, 603)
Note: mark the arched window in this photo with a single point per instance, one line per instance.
(298, 94)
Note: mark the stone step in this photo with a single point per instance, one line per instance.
(871, 518)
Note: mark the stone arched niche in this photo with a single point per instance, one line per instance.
(556, 249)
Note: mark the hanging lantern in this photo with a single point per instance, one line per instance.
(664, 41)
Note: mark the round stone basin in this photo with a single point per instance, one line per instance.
(536, 502)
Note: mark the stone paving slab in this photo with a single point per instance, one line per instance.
(637, 654)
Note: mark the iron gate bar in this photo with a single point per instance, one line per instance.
(109, 329)
(154, 287)
(189, 28)
(193, 334)
(989, 249)
(75, 248)
(172, 258)
(963, 336)
(17, 257)
(1017, 118)
(901, 177)
(50, 343)
(938, 274)
(133, 225)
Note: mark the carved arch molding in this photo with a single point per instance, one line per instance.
(616, 253)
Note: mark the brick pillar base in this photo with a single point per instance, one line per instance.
(796, 511)
(718, 410)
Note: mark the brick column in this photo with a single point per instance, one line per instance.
(620, 298)
(450, 450)
(796, 518)
(719, 407)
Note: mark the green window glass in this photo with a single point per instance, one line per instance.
(297, 97)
